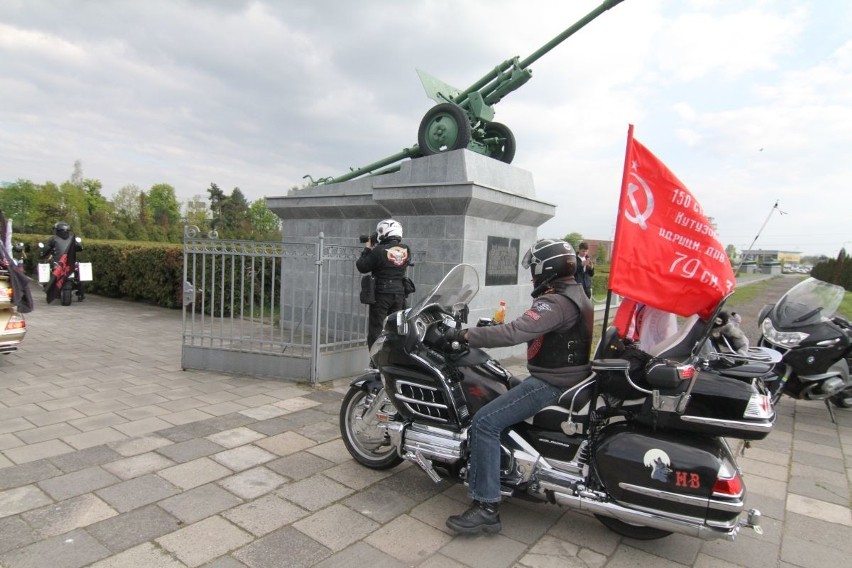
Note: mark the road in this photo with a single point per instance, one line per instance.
(112, 456)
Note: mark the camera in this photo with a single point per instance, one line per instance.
(372, 239)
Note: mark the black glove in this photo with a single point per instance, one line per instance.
(455, 338)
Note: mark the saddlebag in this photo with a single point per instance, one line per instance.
(685, 475)
(718, 406)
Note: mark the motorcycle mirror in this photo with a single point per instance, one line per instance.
(461, 312)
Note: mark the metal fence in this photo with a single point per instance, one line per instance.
(280, 309)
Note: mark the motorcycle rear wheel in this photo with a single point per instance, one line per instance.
(362, 436)
(65, 296)
(638, 532)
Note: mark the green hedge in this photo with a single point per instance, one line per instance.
(146, 272)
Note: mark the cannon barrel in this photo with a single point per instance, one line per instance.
(494, 76)
(464, 119)
(412, 152)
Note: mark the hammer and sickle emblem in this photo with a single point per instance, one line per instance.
(635, 215)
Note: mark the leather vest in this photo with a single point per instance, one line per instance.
(567, 347)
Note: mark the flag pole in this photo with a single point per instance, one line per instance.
(618, 223)
(748, 250)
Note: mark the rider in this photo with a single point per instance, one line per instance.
(59, 244)
(558, 331)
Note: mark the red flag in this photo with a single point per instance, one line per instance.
(666, 253)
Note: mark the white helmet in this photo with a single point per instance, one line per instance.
(387, 229)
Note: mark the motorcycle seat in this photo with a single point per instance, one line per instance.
(573, 407)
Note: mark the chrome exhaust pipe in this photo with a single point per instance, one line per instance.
(681, 525)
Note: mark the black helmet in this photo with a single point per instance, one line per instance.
(550, 258)
(62, 230)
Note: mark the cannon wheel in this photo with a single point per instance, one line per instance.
(445, 127)
(505, 151)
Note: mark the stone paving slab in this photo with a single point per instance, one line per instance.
(113, 457)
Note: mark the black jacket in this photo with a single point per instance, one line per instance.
(563, 310)
(387, 261)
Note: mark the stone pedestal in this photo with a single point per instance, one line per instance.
(455, 207)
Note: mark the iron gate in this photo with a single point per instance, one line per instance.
(285, 309)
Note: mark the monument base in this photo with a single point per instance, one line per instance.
(454, 207)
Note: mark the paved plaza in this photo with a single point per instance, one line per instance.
(112, 456)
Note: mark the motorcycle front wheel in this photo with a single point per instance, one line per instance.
(363, 435)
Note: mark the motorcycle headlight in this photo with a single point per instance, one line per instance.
(781, 338)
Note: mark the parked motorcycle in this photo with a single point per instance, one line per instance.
(642, 449)
(62, 276)
(815, 341)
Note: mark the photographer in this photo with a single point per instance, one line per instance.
(585, 268)
(386, 258)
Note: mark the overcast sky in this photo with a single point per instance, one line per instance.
(747, 102)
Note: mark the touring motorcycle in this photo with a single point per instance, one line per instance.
(816, 343)
(642, 449)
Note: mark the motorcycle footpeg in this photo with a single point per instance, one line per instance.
(425, 464)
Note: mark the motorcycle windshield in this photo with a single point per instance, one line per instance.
(457, 289)
(809, 302)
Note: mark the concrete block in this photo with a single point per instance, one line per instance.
(204, 541)
(137, 492)
(70, 514)
(78, 482)
(199, 503)
(134, 528)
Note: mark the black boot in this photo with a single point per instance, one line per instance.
(480, 517)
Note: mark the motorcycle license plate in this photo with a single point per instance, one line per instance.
(85, 271)
(43, 273)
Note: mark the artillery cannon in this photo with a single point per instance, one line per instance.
(465, 118)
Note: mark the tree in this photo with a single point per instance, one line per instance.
(77, 173)
(217, 198)
(18, 202)
(234, 215)
(94, 200)
(574, 238)
(602, 254)
(126, 202)
(731, 251)
(163, 205)
(264, 223)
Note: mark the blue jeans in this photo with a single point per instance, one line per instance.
(511, 407)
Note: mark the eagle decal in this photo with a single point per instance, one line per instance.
(397, 256)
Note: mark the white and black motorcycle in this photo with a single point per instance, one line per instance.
(815, 342)
(642, 449)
